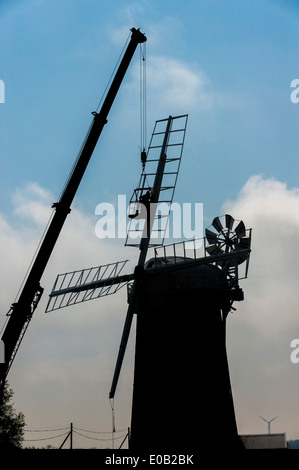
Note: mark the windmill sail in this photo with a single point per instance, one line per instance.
(160, 210)
(87, 284)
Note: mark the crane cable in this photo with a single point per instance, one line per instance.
(143, 110)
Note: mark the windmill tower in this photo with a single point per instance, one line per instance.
(181, 296)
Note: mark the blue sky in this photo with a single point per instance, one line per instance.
(229, 66)
(57, 59)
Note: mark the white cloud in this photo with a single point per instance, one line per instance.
(32, 203)
(174, 87)
(71, 352)
(260, 332)
(272, 210)
(83, 340)
(178, 84)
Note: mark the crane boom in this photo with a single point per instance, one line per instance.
(21, 312)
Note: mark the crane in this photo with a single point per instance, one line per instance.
(21, 312)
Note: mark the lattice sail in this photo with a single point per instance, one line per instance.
(87, 284)
(173, 151)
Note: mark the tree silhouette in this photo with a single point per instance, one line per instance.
(11, 422)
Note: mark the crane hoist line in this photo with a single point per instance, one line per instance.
(21, 311)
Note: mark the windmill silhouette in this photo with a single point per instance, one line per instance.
(181, 296)
(269, 423)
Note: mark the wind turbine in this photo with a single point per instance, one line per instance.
(269, 423)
